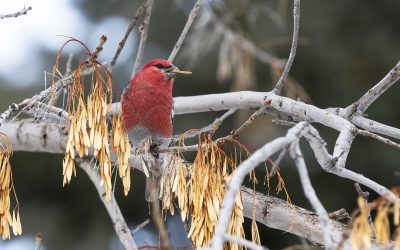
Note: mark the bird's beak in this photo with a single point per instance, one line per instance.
(175, 70)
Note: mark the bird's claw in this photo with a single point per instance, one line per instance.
(154, 149)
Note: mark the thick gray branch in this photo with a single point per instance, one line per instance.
(278, 214)
(241, 172)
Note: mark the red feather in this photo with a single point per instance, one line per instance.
(147, 100)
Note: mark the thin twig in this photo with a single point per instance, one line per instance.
(24, 11)
(275, 164)
(212, 128)
(296, 24)
(192, 16)
(62, 83)
(156, 213)
(99, 48)
(121, 228)
(245, 43)
(309, 192)
(365, 196)
(362, 104)
(243, 242)
(38, 241)
(339, 214)
(68, 67)
(140, 226)
(283, 122)
(47, 112)
(127, 33)
(143, 37)
(251, 119)
(376, 137)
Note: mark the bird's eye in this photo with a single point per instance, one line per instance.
(160, 66)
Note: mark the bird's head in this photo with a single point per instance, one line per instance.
(158, 70)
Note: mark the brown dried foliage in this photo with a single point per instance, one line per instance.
(6, 186)
(361, 234)
(87, 123)
(207, 182)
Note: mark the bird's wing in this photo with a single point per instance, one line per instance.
(172, 114)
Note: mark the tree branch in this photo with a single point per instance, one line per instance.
(242, 170)
(361, 105)
(309, 192)
(292, 54)
(127, 33)
(192, 16)
(28, 135)
(121, 228)
(24, 11)
(143, 37)
(243, 242)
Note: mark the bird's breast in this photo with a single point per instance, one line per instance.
(150, 108)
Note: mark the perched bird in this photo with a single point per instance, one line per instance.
(148, 112)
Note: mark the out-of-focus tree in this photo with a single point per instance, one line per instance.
(79, 116)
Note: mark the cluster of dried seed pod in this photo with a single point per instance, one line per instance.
(209, 176)
(121, 146)
(87, 121)
(6, 186)
(88, 124)
(363, 231)
(179, 188)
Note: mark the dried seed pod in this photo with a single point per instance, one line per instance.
(6, 186)
(361, 232)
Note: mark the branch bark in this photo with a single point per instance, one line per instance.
(24, 11)
(192, 16)
(143, 37)
(121, 228)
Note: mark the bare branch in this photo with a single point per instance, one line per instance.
(46, 137)
(309, 192)
(24, 11)
(156, 213)
(251, 119)
(243, 42)
(47, 113)
(339, 214)
(365, 196)
(143, 37)
(279, 105)
(38, 241)
(140, 226)
(243, 169)
(329, 164)
(127, 33)
(212, 128)
(376, 137)
(279, 214)
(376, 127)
(243, 242)
(121, 228)
(192, 16)
(68, 67)
(296, 25)
(22, 106)
(361, 105)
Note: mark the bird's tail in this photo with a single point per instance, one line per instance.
(152, 188)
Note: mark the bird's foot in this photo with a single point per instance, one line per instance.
(154, 149)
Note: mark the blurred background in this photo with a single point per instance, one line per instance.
(344, 49)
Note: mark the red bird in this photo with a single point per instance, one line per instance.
(147, 109)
